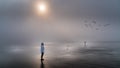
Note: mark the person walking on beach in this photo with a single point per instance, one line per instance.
(42, 50)
(85, 44)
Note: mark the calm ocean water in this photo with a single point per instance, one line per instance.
(62, 55)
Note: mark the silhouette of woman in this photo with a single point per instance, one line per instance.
(42, 51)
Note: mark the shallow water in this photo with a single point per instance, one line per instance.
(62, 55)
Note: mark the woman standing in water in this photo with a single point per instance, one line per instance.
(42, 50)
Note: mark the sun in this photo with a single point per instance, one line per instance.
(42, 7)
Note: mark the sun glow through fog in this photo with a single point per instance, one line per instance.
(42, 7)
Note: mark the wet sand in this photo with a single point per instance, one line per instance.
(72, 55)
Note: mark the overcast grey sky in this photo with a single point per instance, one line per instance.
(68, 20)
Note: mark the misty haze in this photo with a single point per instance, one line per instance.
(75, 33)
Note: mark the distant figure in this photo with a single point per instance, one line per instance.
(67, 49)
(85, 43)
(42, 51)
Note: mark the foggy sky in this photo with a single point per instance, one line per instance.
(68, 20)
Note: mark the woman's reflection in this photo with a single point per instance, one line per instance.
(42, 64)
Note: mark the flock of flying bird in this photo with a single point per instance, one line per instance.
(95, 25)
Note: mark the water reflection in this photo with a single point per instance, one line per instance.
(42, 64)
(67, 55)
